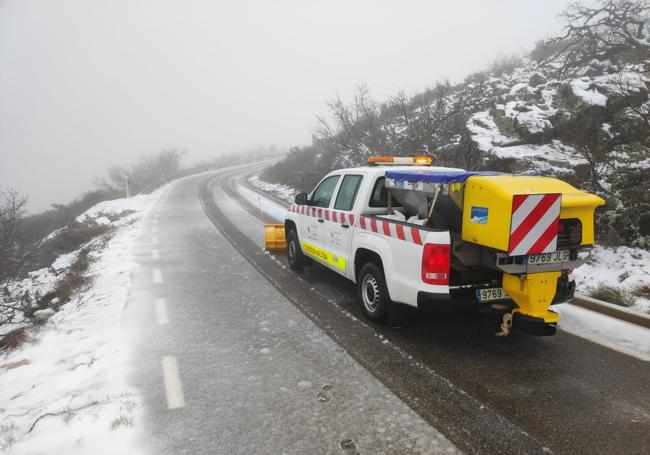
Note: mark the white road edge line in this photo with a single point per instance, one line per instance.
(157, 276)
(161, 311)
(173, 388)
(610, 345)
(155, 254)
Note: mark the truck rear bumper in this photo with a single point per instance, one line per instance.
(465, 299)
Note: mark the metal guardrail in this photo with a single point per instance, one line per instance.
(611, 310)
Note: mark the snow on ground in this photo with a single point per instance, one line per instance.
(283, 192)
(604, 330)
(268, 205)
(584, 89)
(621, 267)
(65, 389)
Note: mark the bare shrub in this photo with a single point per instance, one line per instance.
(146, 172)
(546, 49)
(642, 290)
(505, 64)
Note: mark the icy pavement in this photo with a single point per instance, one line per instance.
(66, 389)
(255, 374)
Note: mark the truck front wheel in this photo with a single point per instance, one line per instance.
(373, 292)
(294, 253)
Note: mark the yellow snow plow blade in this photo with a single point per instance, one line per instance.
(274, 237)
(533, 294)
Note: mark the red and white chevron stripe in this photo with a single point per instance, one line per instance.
(395, 230)
(382, 227)
(534, 224)
(326, 214)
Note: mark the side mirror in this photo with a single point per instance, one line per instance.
(301, 199)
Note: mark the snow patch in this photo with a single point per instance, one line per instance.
(70, 391)
(582, 88)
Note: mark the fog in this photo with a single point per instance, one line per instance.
(88, 84)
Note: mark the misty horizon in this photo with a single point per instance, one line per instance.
(102, 84)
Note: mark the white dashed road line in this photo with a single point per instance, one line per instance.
(161, 311)
(157, 276)
(173, 388)
(154, 239)
(155, 254)
(154, 229)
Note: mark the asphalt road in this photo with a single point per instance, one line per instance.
(519, 394)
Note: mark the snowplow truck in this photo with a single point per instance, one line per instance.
(433, 237)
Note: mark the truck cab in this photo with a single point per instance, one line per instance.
(398, 232)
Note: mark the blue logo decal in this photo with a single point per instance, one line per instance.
(479, 215)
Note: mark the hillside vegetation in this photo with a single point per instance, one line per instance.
(576, 107)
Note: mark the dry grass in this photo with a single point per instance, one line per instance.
(642, 290)
(13, 339)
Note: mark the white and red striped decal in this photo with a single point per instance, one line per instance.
(534, 224)
(383, 227)
(390, 229)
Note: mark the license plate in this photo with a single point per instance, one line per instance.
(549, 258)
(485, 295)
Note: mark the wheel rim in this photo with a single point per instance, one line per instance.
(292, 250)
(370, 293)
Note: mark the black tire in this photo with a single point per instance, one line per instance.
(294, 253)
(372, 292)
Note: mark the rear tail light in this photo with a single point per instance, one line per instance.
(435, 264)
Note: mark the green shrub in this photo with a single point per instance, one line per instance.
(612, 294)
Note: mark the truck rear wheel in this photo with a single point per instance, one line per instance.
(372, 292)
(294, 253)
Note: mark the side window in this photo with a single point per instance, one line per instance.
(379, 196)
(347, 192)
(323, 193)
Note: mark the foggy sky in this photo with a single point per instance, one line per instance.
(85, 84)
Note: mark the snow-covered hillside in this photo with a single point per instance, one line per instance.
(576, 108)
(532, 104)
(64, 389)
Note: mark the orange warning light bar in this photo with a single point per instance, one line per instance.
(401, 160)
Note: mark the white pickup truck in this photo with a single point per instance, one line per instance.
(405, 247)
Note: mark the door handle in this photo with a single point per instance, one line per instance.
(321, 221)
(346, 226)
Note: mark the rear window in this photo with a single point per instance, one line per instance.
(379, 196)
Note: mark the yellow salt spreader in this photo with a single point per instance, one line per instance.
(537, 230)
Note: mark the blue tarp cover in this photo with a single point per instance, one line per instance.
(435, 175)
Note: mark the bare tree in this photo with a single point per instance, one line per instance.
(611, 25)
(356, 127)
(12, 209)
